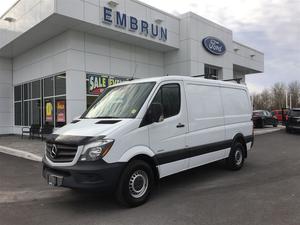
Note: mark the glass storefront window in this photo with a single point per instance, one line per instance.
(211, 72)
(18, 113)
(90, 100)
(27, 91)
(18, 93)
(48, 87)
(36, 89)
(49, 111)
(42, 101)
(60, 84)
(60, 111)
(26, 113)
(36, 112)
(96, 84)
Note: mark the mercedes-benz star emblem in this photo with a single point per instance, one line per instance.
(53, 152)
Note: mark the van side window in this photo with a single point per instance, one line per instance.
(169, 96)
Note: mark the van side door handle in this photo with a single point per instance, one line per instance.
(180, 125)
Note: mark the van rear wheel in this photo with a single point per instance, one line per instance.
(135, 185)
(236, 158)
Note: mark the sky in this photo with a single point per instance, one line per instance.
(271, 26)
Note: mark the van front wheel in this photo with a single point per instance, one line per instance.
(236, 158)
(135, 184)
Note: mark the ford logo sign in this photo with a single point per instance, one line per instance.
(214, 45)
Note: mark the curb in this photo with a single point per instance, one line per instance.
(262, 132)
(20, 153)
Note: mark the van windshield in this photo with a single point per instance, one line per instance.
(124, 101)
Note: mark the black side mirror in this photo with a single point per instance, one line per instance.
(155, 113)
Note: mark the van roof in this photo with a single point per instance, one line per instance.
(186, 78)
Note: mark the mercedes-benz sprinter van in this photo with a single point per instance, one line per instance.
(139, 131)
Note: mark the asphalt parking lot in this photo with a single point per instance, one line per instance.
(265, 191)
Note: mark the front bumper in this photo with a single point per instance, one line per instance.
(85, 175)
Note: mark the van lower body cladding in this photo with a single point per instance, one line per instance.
(171, 168)
(195, 156)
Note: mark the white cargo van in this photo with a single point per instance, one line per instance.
(140, 131)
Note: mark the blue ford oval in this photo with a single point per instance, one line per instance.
(214, 45)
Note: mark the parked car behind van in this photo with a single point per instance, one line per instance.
(278, 114)
(140, 131)
(261, 118)
(293, 121)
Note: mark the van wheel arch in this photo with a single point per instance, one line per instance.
(151, 161)
(239, 138)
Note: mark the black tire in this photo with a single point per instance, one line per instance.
(236, 158)
(135, 175)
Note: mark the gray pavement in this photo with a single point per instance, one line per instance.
(35, 146)
(267, 130)
(265, 191)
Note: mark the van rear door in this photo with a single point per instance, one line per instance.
(168, 138)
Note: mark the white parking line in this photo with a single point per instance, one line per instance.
(20, 153)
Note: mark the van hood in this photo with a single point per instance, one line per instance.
(91, 127)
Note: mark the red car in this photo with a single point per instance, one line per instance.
(278, 114)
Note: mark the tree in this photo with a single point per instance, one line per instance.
(294, 91)
(278, 94)
(275, 98)
(262, 100)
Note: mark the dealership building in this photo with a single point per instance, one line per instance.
(57, 56)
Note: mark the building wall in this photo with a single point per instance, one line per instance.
(78, 53)
(247, 57)
(6, 97)
(192, 57)
(27, 14)
(90, 11)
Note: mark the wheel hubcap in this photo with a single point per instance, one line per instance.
(238, 157)
(138, 183)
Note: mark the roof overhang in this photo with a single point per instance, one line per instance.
(57, 23)
(244, 70)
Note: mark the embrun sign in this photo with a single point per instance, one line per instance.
(133, 24)
(214, 45)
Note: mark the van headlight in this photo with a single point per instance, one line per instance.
(96, 150)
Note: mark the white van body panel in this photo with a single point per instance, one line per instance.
(126, 139)
(169, 168)
(206, 120)
(237, 112)
(208, 158)
(212, 114)
(135, 151)
(165, 137)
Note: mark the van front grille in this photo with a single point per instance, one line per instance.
(60, 153)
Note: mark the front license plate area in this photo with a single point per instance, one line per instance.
(54, 180)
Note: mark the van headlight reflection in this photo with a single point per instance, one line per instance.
(96, 150)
